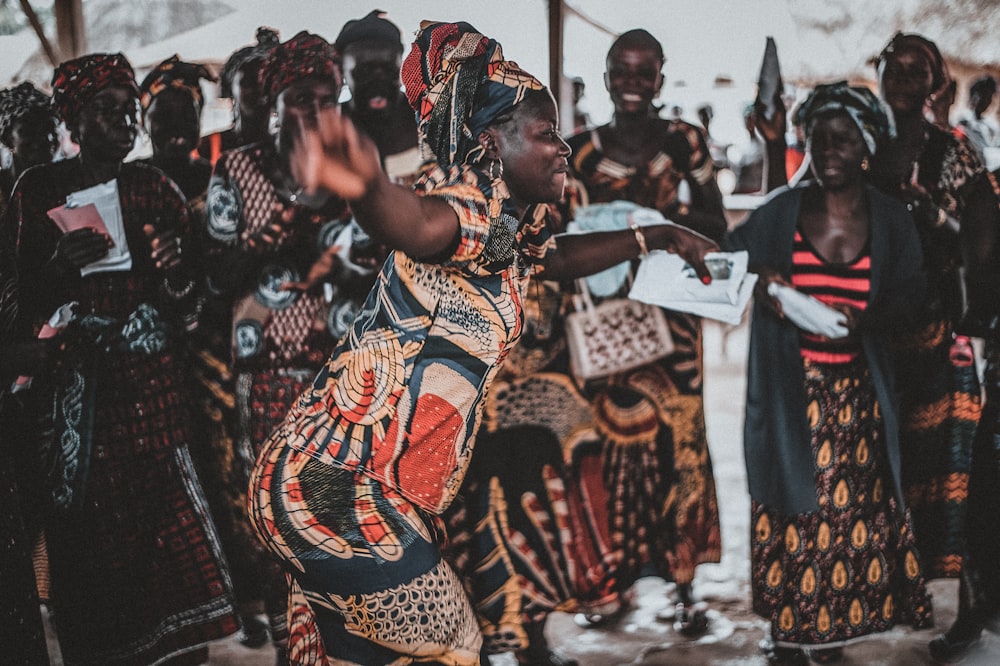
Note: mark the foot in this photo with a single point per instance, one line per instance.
(549, 658)
(826, 655)
(783, 656)
(254, 633)
(954, 645)
(597, 620)
(691, 620)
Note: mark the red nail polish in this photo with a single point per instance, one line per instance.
(706, 279)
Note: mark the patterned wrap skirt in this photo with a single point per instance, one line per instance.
(370, 586)
(137, 570)
(939, 410)
(851, 568)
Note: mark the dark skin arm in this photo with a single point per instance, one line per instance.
(773, 131)
(337, 158)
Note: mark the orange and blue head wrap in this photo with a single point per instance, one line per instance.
(177, 74)
(75, 82)
(458, 83)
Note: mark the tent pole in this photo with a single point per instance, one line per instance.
(36, 25)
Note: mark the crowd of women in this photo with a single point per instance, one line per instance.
(316, 367)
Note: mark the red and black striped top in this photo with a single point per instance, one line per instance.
(832, 283)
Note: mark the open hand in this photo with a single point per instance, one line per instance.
(166, 245)
(335, 157)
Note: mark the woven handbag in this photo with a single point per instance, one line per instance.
(615, 336)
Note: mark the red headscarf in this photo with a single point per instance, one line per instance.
(303, 55)
(75, 82)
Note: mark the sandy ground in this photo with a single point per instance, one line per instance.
(734, 632)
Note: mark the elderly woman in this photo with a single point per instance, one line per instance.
(349, 490)
(273, 263)
(27, 129)
(832, 544)
(137, 572)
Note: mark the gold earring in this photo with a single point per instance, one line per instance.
(496, 169)
(865, 164)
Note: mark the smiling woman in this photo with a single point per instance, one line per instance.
(348, 491)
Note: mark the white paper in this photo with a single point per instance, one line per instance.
(105, 199)
(808, 313)
(666, 280)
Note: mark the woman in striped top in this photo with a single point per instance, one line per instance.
(832, 546)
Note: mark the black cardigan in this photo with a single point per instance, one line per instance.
(779, 459)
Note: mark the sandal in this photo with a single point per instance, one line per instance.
(550, 658)
(783, 656)
(826, 655)
(691, 620)
(592, 620)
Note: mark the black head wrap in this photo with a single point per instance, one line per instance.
(372, 28)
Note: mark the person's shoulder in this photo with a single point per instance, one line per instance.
(885, 204)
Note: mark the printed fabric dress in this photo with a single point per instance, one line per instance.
(137, 572)
(277, 339)
(655, 482)
(520, 531)
(348, 491)
(850, 568)
(940, 393)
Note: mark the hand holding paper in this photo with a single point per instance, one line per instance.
(808, 313)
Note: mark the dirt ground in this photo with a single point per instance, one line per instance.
(641, 637)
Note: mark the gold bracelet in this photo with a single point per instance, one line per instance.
(640, 238)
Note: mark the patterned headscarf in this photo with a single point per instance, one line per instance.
(75, 82)
(939, 68)
(303, 55)
(18, 102)
(267, 39)
(372, 28)
(862, 105)
(173, 73)
(458, 82)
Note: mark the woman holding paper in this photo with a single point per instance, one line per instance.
(137, 574)
(832, 547)
(651, 419)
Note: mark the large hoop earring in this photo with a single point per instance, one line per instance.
(496, 169)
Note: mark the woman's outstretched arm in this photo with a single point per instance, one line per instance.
(335, 157)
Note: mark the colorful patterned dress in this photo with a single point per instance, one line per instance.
(22, 636)
(520, 531)
(940, 399)
(348, 491)
(656, 482)
(850, 568)
(137, 573)
(276, 340)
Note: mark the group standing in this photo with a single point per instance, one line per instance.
(317, 365)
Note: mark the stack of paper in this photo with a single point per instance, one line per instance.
(666, 280)
(100, 208)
